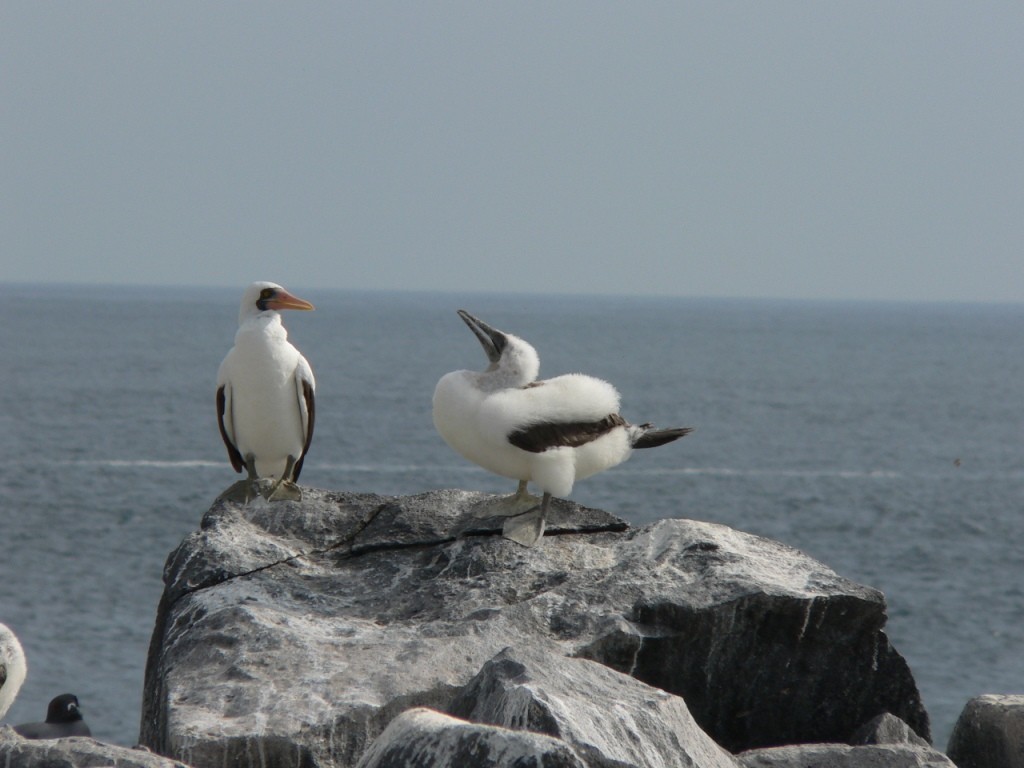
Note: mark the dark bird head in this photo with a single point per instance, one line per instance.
(63, 709)
(513, 362)
(491, 339)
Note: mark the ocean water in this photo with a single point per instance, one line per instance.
(885, 440)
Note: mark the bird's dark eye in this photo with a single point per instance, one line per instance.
(265, 295)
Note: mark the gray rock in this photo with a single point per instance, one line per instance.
(296, 631)
(427, 739)
(989, 733)
(845, 756)
(74, 752)
(608, 718)
(767, 646)
(887, 729)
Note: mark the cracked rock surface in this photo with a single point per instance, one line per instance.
(73, 752)
(293, 633)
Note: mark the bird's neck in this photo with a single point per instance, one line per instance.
(501, 378)
(265, 325)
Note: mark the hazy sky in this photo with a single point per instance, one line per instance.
(778, 149)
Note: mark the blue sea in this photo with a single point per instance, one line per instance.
(886, 440)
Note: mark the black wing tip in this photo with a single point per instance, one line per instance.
(655, 437)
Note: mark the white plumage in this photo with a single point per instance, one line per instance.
(477, 423)
(13, 668)
(265, 389)
(550, 432)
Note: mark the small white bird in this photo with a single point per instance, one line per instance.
(13, 668)
(265, 397)
(551, 432)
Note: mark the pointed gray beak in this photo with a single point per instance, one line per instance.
(491, 339)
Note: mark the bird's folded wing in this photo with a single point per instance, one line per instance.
(226, 423)
(305, 389)
(543, 436)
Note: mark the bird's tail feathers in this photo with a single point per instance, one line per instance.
(649, 437)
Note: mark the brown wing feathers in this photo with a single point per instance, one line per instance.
(538, 438)
(307, 393)
(236, 458)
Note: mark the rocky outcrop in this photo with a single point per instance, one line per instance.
(293, 633)
(76, 752)
(989, 733)
(884, 742)
(845, 756)
(887, 729)
(427, 739)
(608, 718)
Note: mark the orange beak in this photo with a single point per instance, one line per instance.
(284, 300)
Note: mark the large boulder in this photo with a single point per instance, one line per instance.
(989, 733)
(294, 632)
(609, 719)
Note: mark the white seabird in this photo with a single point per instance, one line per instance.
(265, 397)
(551, 432)
(13, 668)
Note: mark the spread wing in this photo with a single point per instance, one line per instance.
(227, 426)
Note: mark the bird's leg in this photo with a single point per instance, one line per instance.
(522, 494)
(254, 479)
(285, 489)
(527, 528)
(246, 490)
(507, 506)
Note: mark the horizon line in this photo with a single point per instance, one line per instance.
(731, 298)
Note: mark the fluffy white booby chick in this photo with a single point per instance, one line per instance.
(265, 397)
(551, 432)
(13, 668)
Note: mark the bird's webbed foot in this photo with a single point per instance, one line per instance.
(285, 489)
(246, 490)
(508, 506)
(527, 528)
(241, 492)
